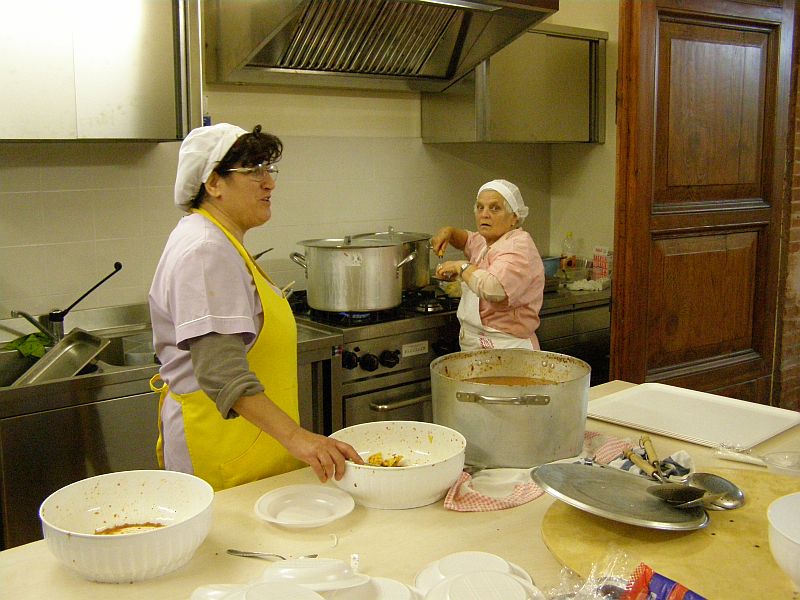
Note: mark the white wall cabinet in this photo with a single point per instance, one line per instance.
(548, 85)
(94, 69)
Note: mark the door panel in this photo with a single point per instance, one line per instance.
(702, 126)
(710, 268)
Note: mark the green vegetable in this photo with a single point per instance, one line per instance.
(31, 345)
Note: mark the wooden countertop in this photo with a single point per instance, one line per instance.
(395, 544)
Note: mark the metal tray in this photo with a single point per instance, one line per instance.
(616, 495)
(65, 359)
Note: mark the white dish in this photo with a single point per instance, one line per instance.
(484, 585)
(277, 590)
(216, 591)
(257, 591)
(304, 505)
(318, 574)
(460, 563)
(696, 417)
(377, 588)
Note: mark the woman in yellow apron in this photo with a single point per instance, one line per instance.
(224, 333)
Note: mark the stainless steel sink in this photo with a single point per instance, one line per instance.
(78, 358)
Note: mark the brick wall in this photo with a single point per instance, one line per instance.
(789, 370)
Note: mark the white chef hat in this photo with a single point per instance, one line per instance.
(200, 153)
(511, 194)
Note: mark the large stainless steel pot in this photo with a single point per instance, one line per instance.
(512, 425)
(352, 275)
(416, 274)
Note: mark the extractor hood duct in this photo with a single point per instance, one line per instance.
(405, 45)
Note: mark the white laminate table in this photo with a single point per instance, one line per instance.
(395, 544)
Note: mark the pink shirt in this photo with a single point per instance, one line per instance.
(515, 262)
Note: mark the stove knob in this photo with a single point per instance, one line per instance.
(369, 362)
(349, 359)
(389, 358)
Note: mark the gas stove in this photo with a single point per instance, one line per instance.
(385, 356)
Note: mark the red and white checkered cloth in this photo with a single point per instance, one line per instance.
(463, 497)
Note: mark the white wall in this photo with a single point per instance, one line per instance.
(583, 176)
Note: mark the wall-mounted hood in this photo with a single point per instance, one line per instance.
(417, 45)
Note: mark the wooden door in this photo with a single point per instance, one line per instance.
(703, 107)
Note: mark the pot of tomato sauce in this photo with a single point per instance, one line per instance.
(515, 407)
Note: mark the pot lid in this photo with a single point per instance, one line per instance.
(349, 242)
(396, 237)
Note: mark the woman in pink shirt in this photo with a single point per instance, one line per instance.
(502, 280)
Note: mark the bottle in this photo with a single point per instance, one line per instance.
(569, 256)
(206, 114)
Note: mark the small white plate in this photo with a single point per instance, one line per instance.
(465, 562)
(377, 588)
(484, 585)
(304, 505)
(318, 574)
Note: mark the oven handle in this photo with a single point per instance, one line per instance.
(527, 400)
(387, 406)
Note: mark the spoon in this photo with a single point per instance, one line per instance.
(264, 555)
(729, 494)
(677, 494)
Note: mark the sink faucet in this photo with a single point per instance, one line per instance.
(52, 336)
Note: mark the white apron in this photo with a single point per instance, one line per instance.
(474, 335)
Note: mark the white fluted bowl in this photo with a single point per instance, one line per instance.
(179, 503)
(433, 457)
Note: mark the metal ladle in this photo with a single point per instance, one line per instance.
(727, 494)
(676, 493)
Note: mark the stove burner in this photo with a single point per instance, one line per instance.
(429, 306)
(354, 319)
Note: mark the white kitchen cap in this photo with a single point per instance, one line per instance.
(511, 194)
(200, 153)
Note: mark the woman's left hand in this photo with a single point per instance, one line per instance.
(324, 455)
(449, 270)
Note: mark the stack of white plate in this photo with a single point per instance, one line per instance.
(475, 576)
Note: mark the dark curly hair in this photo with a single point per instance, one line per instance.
(248, 150)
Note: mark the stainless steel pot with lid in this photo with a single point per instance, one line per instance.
(516, 407)
(416, 273)
(353, 275)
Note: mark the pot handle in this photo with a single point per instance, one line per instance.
(406, 260)
(300, 259)
(387, 406)
(527, 400)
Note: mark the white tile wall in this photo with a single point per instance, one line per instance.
(68, 211)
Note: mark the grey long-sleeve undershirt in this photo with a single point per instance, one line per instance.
(221, 369)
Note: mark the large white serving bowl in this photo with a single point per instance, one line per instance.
(72, 516)
(433, 457)
(783, 515)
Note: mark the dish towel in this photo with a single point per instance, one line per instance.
(498, 489)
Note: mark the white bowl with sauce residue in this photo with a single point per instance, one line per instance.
(127, 526)
(432, 460)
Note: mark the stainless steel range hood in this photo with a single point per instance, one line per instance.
(403, 45)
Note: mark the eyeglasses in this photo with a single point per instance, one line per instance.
(259, 172)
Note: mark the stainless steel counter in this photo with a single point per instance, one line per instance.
(57, 432)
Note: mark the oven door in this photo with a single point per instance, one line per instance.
(406, 402)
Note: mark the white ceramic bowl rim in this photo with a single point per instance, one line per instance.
(462, 441)
(205, 487)
(778, 505)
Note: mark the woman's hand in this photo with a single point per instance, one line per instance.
(440, 240)
(324, 455)
(449, 270)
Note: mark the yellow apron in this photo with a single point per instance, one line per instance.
(229, 452)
